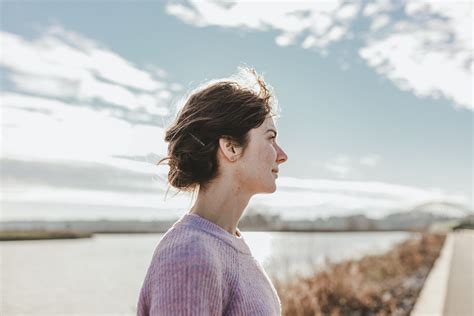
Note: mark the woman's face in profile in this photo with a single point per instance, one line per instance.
(259, 165)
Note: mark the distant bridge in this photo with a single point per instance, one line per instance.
(443, 207)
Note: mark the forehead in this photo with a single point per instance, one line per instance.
(268, 124)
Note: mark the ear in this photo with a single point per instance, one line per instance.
(229, 148)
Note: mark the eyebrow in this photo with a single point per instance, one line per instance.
(272, 130)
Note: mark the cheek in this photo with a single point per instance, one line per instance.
(272, 153)
(261, 160)
(267, 156)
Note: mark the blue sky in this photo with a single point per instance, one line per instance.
(375, 97)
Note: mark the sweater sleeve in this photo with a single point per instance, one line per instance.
(186, 279)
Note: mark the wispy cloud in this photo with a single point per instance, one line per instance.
(47, 129)
(322, 197)
(70, 98)
(295, 197)
(341, 166)
(103, 175)
(82, 126)
(64, 54)
(421, 46)
(344, 166)
(65, 65)
(370, 160)
(78, 117)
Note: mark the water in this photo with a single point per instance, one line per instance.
(103, 275)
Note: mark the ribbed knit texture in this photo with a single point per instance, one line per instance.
(198, 268)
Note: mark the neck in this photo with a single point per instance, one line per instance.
(222, 204)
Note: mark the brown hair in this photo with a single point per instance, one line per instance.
(227, 108)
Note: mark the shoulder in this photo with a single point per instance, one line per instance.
(186, 274)
(184, 244)
(187, 257)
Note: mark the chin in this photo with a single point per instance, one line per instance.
(272, 188)
(266, 187)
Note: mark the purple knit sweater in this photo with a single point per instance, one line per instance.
(198, 268)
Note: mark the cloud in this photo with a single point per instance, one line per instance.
(295, 197)
(326, 21)
(41, 128)
(370, 160)
(374, 188)
(73, 123)
(321, 197)
(421, 46)
(70, 99)
(65, 54)
(379, 22)
(67, 196)
(45, 86)
(80, 129)
(431, 56)
(63, 64)
(377, 7)
(343, 166)
(77, 116)
(129, 176)
(340, 166)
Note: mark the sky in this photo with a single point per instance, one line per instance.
(375, 97)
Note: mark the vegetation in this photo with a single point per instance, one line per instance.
(386, 284)
(465, 223)
(34, 235)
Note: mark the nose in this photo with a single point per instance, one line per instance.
(281, 155)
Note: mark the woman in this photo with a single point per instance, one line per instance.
(223, 144)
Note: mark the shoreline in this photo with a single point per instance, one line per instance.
(19, 235)
(385, 284)
(42, 235)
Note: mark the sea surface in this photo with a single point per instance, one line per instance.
(103, 275)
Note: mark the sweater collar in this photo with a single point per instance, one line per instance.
(194, 220)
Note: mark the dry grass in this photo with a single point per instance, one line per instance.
(385, 284)
(38, 235)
